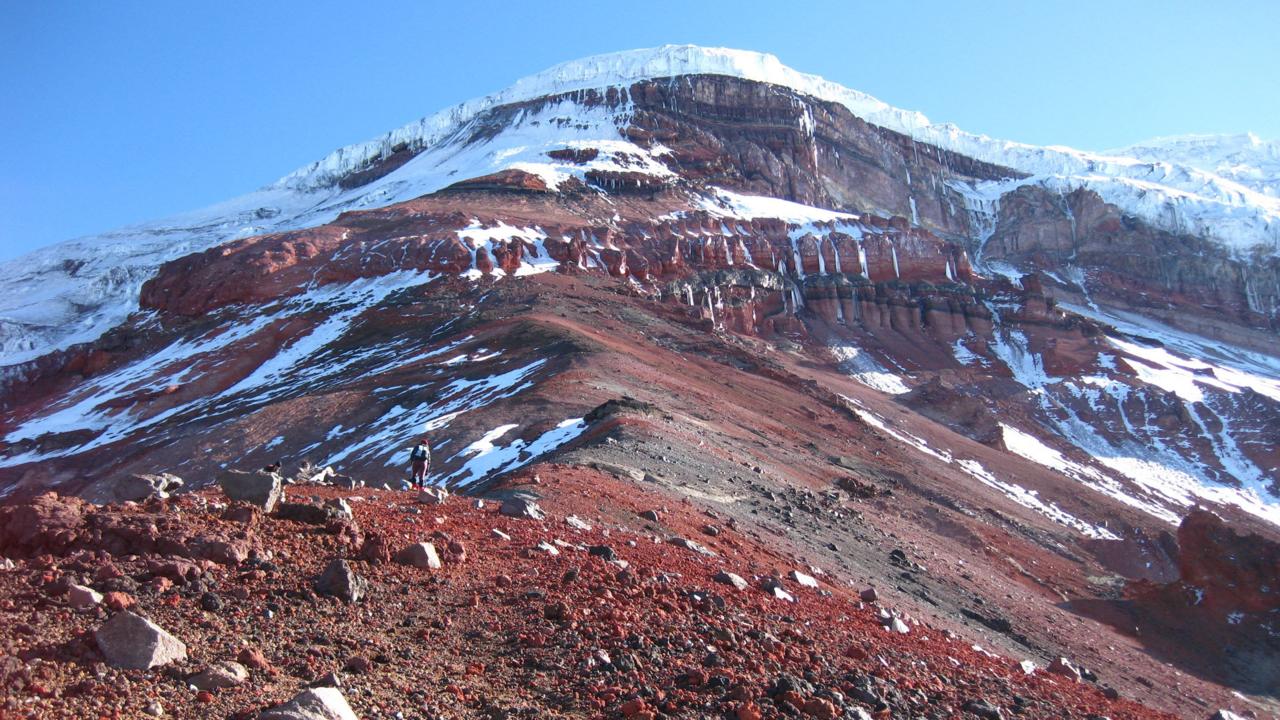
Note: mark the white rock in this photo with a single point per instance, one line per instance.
(324, 703)
(577, 524)
(500, 535)
(421, 555)
(804, 580)
(83, 598)
(220, 675)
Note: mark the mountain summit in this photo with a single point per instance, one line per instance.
(994, 377)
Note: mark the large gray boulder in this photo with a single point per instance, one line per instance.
(260, 488)
(522, 507)
(132, 488)
(341, 581)
(135, 643)
(322, 703)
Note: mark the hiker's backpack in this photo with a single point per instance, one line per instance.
(419, 453)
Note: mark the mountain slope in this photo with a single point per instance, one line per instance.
(947, 374)
(73, 292)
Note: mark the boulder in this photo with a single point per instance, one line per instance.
(132, 488)
(321, 703)
(688, 544)
(261, 488)
(420, 555)
(869, 595)
(219, 675)
(135, 643)
(522, 507)
(340, 581)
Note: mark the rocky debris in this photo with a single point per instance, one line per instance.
(219, 675)
(83, 598)
(7, 565)
(375, 549)
(1065, 668)
(729, 578)
(260, 488)
(688, 544)
(522, 507)
(983, 709)
(132, 642)
(321, 703)
(420, 555)
(341, 581)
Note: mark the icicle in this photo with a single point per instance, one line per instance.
(893, 249)
(862, 261)
(822, 262)
(950, 277)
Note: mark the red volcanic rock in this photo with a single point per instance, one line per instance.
(48, 524)
(1238, 573)
(511, 179)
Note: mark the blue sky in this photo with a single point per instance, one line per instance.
(113, 113)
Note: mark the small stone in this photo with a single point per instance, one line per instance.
(576, 523)
(711, 530)
(253, 658)
(898, 626)
(602, 551)
(982, 709)
(154, 709)
(1064, 667)
(650, 515)
(804, 580)
(116, 600)
(729, 578)
(869, 595)
(690, 545)
(501, 535)
(83, 598)
(132, 642)
(210, 602)
(220, 675)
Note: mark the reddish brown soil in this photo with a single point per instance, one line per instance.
(474, 639)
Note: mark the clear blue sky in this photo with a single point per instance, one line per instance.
(119, 112)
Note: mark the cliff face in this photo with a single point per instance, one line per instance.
(1119, 259)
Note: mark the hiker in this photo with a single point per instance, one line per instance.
(420, 456)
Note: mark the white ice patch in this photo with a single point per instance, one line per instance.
(488, 459)
(1030, 499)
(863, 368)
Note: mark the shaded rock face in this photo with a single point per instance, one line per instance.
(964, 412)
(1129, 261)
(1237, 573)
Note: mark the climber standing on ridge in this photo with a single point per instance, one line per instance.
(420, 457)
